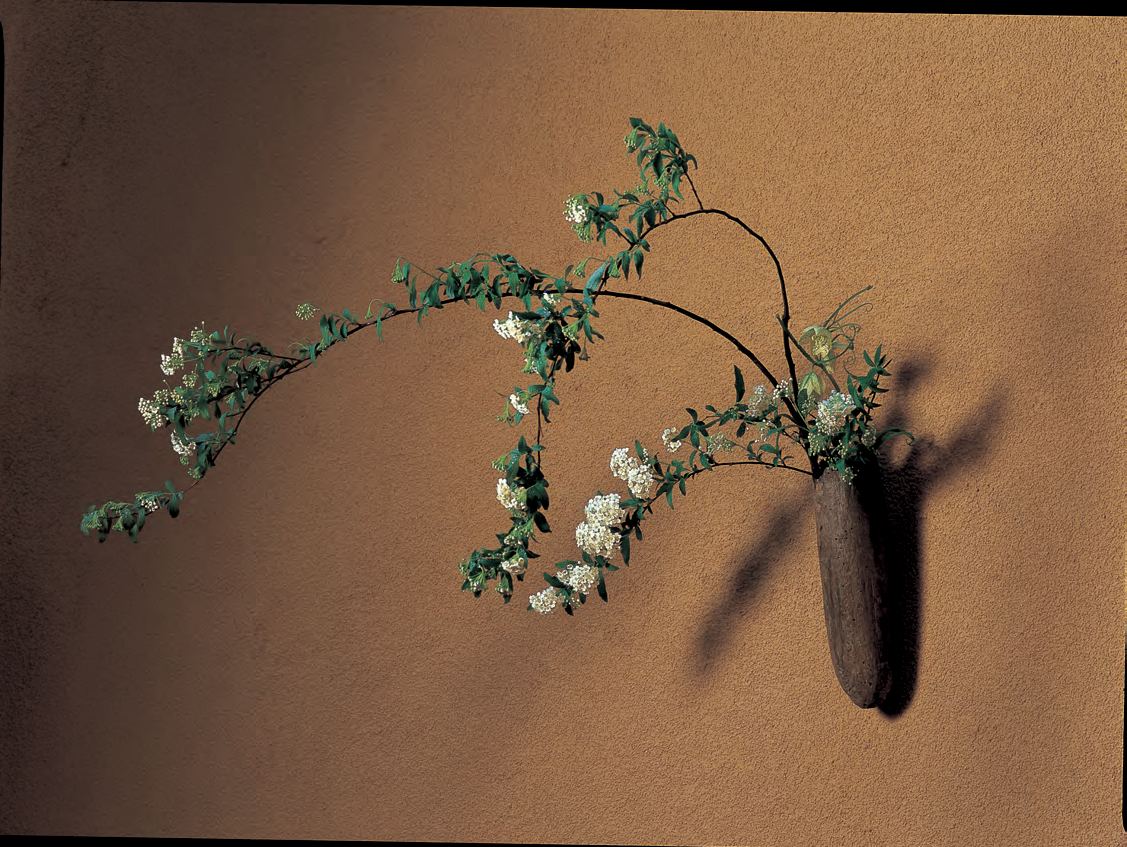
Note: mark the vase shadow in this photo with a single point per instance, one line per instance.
(907, 485)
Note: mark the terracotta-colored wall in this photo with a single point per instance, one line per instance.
(292, 656)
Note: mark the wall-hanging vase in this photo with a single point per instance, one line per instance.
(854, 583)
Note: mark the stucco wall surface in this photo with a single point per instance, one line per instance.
(292, 657)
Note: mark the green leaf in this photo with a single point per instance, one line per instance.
(739, 385)
(626, 549)
(602, 588)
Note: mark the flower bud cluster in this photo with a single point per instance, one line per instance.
(636, 474)
(305, 311)
(594, 535)
(782, 390)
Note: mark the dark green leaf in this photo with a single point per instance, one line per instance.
(552, 581)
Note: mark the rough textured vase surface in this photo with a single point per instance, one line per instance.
(854, 585)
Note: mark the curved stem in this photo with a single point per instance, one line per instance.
(785, 319)
(674, 307)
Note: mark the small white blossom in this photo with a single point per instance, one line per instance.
(783, 389)
(513, 328)
(183, 448)
(758, 400)
(576, 212)
(150, 411)
(544, 601)
(667, 439)
(634, 473)
(719, 441)
(514, 566)
(550, 300)
(518, 405)
(509, 497)
(149, 503)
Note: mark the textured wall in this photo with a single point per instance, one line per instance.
(292, 656)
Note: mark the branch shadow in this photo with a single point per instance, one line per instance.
(720, 620)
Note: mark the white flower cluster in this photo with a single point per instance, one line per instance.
(667, 439)
(594, 535)
(636, 474)
(518, 405)
(544, 601)
(576, 212)
(150, 411)
(581, 578)
(170, 364)
(758, 400)
(182, 448)
(509, 497)
(513, 328)
(833, 412)
(514, 565)
(149, 503)
(550, 299)
(719, 441)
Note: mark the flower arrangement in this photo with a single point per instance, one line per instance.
(814, 419)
